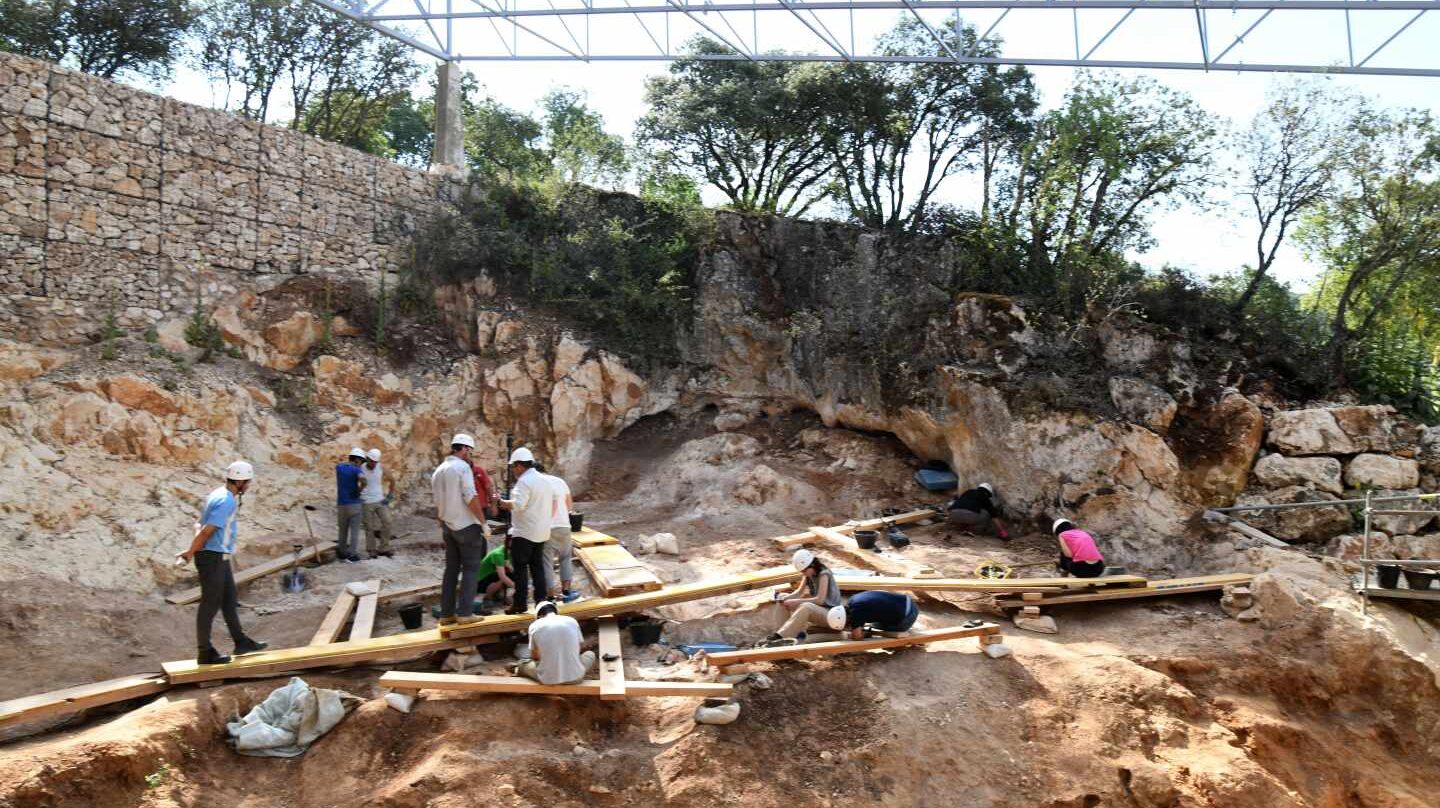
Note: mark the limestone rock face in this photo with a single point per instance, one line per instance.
(1216, 446)
(1279, 471)
(1402, 524)
(1309, 432)
(1297, 524)
(1429, 454)
(1382, 471)
(1142, 403)
(1370, 429)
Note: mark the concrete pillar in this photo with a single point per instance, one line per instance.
(449, 155)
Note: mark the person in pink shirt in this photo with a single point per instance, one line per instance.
(1078, 554)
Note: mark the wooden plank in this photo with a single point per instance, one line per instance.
(80, 697)
(628, 604)
(1160, 588)
(615, 571)
(810, 537)
(612, 672)
(589, 537)
(1404, 594)
(1244, 529)
(808, 650)
(467, 683)
(364, 623)
(376, 649)
(334, 621)
(892, 584)
(420, 592)
(249, 574)
(887, 563)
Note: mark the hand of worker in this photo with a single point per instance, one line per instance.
(183, 558)
(1003, 533)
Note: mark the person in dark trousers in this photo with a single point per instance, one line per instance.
(976, 511)
(211, 549)
(531, 504)
(1078, 554)
(884, 611)
(462, 527)
(349, 509)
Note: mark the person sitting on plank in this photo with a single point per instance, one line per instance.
(1078, 554)
(808, 602)
(557, 655)
(882, 611)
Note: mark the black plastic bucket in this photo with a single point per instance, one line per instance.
(412, 615)
(577, 521)
(866, 539)
(644, 631)
(1389, 575)
(1418, 579)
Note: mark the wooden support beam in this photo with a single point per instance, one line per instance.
(881, 583)
(589, 537)
(612, 671)
(335, 619)
(364, 623)
(808, 650)
(80, 697)
(1160, 588)
(422, 591)
(885, 563)
(249, 574)
(392, 648)
(520, 685)
(810, 537)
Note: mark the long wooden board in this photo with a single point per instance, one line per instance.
(615, 571)
(888, 563)
(334, 621)
(612, 672)
(81, 697)
(515, 684)
(364, 623)
(589, 537)
(249, 574)
(810, 537)
(627, 604)
(420, 592)
(808, 650)
(881, 583)
(376, 649)
(1160, 588)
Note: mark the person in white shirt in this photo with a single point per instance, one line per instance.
(462, 527)
(375, 501)
(559, 548)
(530, 505)
(557, 655)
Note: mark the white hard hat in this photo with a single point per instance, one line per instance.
(987, 487)
(542, 605)
(522, 455)
(463, 440)
(373, 454)
(802, 559)
(240, 470)
(1055, 528)
(356, 451)
(836, 618)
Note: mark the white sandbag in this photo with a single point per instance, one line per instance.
(666, 543)
(289, 720)
(724, 714)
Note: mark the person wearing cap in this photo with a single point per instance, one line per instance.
(558, 654)
(1078, 554)
(349, 510)
(977, 511)
(375, 504)
(531, 503)
(882, 611)
(560, 546)
(809, 602)
(210, 550)
(462, 529)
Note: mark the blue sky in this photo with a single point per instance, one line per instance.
(1205, 241)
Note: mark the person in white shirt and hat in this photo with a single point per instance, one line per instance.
(531, 504)
(558, 654)
(375, 502)
(462, 528)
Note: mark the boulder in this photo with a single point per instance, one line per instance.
(1297, 524)
(731, 421)
(1309, 432)
(1429, 454)
(1382, 471)
(1351, 546)
(1279, 471)
(1217, 445)
(1142, 403)
(1370, 429)
(1402, 525)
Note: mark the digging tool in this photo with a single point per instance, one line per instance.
(294, 581)
(311, 530)
(998, 570)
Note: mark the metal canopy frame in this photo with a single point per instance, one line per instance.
(548, 30)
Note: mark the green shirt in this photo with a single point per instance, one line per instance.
(493, 560)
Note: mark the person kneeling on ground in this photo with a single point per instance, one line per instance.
(1078, 554)
(882, 611)
(809, 602)
(494, 572)
(976, 511)
(556, 649)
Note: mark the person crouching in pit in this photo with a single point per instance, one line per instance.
(810, 600)
(1078, 554)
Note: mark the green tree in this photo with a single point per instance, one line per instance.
(897, 130)
(502, 143)
(581, 151)
(409, 130)
(747, 128)
(106, 38)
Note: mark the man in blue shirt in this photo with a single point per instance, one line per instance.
(349, 510)
(211, 549)
(886, 611)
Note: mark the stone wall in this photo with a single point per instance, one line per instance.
(116, 199)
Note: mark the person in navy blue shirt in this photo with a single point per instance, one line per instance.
(349, 510)
(210, 549)
(886, 611)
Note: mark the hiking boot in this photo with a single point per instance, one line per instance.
(571, 596)
(209, 656)
(466, 620)
(517, 610)
(249, 646)
(774, 641)
(447, 621)
(383, 554)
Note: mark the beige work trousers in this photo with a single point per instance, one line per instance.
(377, 521)
(809, 614)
